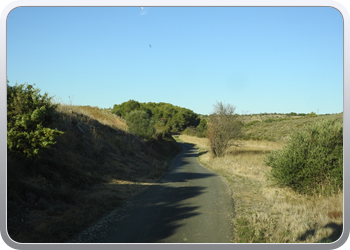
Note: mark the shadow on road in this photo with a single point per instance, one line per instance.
(162, 208)
(185, 176)
(158, 214)
(192, 153)
(170, 211)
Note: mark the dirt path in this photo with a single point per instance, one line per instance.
(190, 204)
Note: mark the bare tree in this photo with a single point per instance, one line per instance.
(225, 128)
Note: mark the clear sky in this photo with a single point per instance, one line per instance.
(259, 59)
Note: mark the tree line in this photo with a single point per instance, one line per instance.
(163, 116)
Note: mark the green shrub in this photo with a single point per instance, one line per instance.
(28, 116)
(251, 123)
(191, 131)
(269, 120)
(161, 130)
(202, 128)
(140, 124)
(312, 160)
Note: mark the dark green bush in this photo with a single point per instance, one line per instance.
(140, 124)
(312, 160)
(202, 128)
(117, 112)
(269, 120)
(251, 123)
(29, 115)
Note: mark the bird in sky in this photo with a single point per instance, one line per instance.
(150, 45)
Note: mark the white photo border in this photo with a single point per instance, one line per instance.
(172, 3)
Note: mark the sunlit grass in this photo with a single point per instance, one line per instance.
(279, 129)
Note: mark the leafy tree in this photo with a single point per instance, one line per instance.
(140, 124)
(29, 115)
(131, 106)
(126, 107)
(117, 112)
(312, 114)
(224, 128)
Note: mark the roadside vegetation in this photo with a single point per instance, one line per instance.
(68, 166)
(274, 203)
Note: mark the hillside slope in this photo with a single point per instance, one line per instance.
(93, 168)
(278, 128)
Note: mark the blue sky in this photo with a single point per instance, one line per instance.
(259, 59)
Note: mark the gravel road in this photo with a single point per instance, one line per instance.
(190, 204)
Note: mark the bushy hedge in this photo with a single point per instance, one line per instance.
(312, 160)
(29, 115)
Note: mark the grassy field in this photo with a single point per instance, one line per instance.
(264, 213)
(277, 128)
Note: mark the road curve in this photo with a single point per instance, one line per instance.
(190, 204)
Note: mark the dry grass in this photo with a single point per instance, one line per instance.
(93, 113)
(256, 127)
(265, 213)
